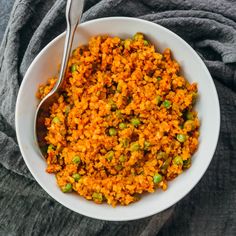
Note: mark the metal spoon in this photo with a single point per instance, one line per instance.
(74, 9)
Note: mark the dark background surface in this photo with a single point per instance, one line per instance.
(210, 207)
(5, 9)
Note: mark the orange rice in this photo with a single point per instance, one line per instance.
(124, 123)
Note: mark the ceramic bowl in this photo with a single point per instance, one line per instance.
(46, 64)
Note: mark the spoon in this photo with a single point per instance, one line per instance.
(74, 9)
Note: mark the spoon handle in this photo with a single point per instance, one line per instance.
(74, 10)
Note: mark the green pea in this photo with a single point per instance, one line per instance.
(138, 36)
(76, 176)
(74, 52)
(158, 100)
(134, 147)
(119, 167)
(166, 164)
(113, 105)
(119, 88)
(76, 159)
(56, 120)
(159, 78)
(181, 138)
(73, 68)
(122, 126)
(51, 147)
(110, 155)
(194, 97)
(122, 158)
(112, 131)
(127, 44)
(145, 42)
(167, 104)
(147, 145)
(67, 109)
(119, 114)
(97, 196)
(67, 188)
(187, 163)
(125, 143)
(189, 115)
(161, 155)
(157, 178)
(178, 160)
(135, 122)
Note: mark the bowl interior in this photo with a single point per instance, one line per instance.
(46, 64)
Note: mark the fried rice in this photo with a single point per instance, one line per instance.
(124, 123)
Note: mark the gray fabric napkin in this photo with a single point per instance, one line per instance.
(210, 28)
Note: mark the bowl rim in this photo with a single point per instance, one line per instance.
(211, 153)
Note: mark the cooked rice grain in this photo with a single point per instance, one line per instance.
(112, 81)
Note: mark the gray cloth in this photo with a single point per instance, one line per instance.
(209, 209)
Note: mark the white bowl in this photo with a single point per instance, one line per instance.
(46, 64)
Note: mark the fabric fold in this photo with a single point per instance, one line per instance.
(210, 28)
